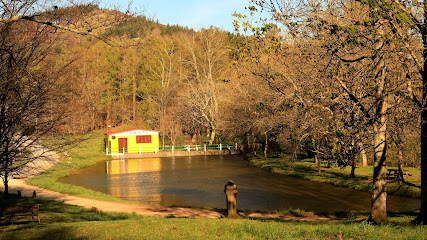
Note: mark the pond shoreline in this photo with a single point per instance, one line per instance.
(88, 154)
(198, 181)
(308, 171)
(176, 154)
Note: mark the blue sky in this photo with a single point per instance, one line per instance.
(191, 13)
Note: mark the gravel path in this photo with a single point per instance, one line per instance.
(106, 206)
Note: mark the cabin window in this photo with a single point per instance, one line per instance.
(143, 139)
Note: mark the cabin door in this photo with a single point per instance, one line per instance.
(123, 143)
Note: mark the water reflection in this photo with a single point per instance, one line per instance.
(132, 166)
(199, 181)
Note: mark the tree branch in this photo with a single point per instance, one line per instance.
(352, 96)
(34, 18)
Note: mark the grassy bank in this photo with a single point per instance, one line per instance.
(62, 221)
(307, 169)
(83, 154)
(157, 228)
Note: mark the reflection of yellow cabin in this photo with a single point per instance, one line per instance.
(133, 166)
(132, 189)
(132, 140)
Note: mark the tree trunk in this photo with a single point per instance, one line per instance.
(249, 142)
(317, 160)
(194, 139)
(253, 143)
(173, 138)
(211, 141)
(379, 194)
(422, 216)
(108, 119)
(134, 98)
(6, 185)
(400, 156)
(265, 147)
(363, 155)
(163, 140)
(7, 164)
(353, 166)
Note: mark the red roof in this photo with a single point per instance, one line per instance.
(128, 130)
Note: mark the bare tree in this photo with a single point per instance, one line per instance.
(206, 63)
(34, 90)
(30, 102)
(166, 75)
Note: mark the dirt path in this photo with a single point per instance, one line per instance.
(106, 206)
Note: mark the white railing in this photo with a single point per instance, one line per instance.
(155, 149)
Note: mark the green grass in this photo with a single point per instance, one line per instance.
(170, 228)
(85, 153)
(52, 212)
(307, 169)
(62, 221)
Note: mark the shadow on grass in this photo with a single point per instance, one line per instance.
(303, 171)
(55, 212)
(402, 219)
(411, 184)
(403, 214)
(44, 233)
(342, 176)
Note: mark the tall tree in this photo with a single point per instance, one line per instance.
(414, 14)
(34, 92)
(355, 44)
(30, 105)
(206, 63)
(166, 74)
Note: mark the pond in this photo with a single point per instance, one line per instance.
(199, 181)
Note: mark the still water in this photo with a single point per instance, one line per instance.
(199, 181)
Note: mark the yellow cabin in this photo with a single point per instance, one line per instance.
(132, 140)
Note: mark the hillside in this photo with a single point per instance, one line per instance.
(106, 23)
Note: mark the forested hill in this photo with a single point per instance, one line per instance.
(135, 71)
(139, 27)
(105, 22)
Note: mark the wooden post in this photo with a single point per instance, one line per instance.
(220, 147)
(230, 191)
